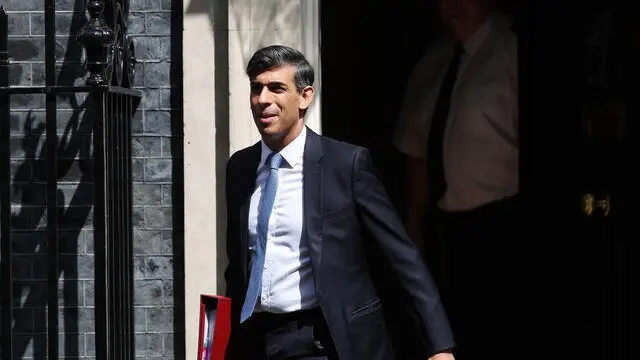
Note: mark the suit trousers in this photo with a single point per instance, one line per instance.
(300, 335)
(475, 249)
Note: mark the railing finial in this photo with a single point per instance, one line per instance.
(95, 37)
(4, 51)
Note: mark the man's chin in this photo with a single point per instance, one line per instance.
(270, 131)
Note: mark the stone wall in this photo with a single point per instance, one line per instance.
(157, 171)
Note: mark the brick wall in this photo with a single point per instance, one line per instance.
(157, 188)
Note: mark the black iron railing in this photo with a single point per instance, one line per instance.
(113, 225)
(111, 104)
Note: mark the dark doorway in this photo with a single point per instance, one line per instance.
(570, 267)
(368, 51)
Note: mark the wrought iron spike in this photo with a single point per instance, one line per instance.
(96, 36)
(4, 18)
(4, 52)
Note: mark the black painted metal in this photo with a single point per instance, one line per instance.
(96, 37)
(110, 61)
(110, 50)
(114, 227)
(6, 288)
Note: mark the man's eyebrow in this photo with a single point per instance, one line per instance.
(254, 82)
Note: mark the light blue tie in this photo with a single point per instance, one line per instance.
(264, 212)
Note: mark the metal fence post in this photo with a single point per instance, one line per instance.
(5, 201)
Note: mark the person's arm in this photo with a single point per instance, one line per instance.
(380, 218)
(232, 276)
(410, 139)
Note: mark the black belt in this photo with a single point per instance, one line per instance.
(266, 321)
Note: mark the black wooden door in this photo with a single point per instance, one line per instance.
(578, 102)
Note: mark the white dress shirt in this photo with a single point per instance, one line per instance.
(287, 279)
(481, 136)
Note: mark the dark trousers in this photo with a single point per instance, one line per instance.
(473, 251)
(301, 335)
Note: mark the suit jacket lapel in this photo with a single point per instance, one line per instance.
(312, 200)
(247, 183)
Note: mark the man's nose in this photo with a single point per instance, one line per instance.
(265, 96)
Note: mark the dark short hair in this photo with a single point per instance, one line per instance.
(279, 55)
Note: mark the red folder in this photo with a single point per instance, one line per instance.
(215, 327)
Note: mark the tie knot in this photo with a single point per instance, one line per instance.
(274, 160)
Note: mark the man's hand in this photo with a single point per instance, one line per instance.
(446, 355)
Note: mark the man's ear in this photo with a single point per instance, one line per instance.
(306, 96)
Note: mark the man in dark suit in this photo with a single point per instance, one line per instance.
(299, 205)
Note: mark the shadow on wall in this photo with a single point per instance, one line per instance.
(74, 198)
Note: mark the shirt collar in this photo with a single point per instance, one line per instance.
(291, 154)
(473, 43)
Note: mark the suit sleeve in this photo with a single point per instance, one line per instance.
(380, 218)
(231, 275)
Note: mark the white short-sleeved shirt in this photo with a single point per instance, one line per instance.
(481, 136)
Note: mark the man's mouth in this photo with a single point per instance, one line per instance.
(267, 117)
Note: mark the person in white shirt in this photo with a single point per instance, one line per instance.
(458, 127)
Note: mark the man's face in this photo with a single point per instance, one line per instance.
(459, 14)
(276, 104)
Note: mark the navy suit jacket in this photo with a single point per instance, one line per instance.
(344, 199)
